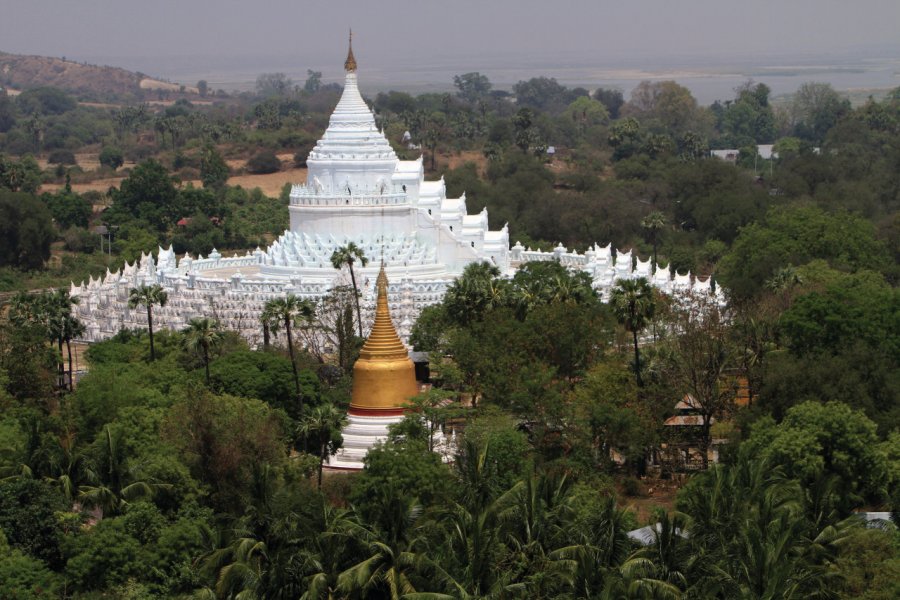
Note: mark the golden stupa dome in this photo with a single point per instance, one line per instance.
(384, 378)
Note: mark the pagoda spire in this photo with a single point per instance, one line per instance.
(383, 342)
(384, 378)
(350, 63)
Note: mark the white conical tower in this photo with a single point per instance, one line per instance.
(352, 151)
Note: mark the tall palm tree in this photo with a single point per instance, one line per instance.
(323, 426)
(52, 312)
(653, 224)
(71, 328)
(633, 303)
(148, 296)
(286, 311)
(348, 255)
(201, 336)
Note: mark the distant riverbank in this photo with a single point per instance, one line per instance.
(709, 79)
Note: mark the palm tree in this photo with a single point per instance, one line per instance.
(323, 426)
(393, 556)
(286, 311)
(147, 296)
(633, 303)
(653, 223)
(348, 255)
(339, 535)
(782, 282)
(270, 323)
(602, 545)
(748, 527)
(71, 329)
(201, 336)
(478, 290)
(535, 516)
(115, 487)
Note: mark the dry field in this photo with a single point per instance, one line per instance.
(270, 184)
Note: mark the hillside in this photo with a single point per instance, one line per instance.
(89, 82)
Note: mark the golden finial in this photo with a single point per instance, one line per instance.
(350, 63)
(381, 284)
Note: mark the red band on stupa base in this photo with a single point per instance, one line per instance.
(376, 412)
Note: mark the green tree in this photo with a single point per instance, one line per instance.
(273, 84)
(26, 231)
(148, 193)
(634, 305)
(264, 162)
(106, 556)
(700, 360)
(45, 100)
(116, 483)
(348, 255)
(586, 113)
(288, 311)
(22, 576)
(270, 323)
(148, 297)
(322, 427)
(654, 223)
(213, 169)
(111, 157)
(816, 108)
(817, 441)
(200, 337)
(27, 518)
(68, 209)
(393, 558)
(472, 87)
(796, 235)
(476, 292)
(313, 81)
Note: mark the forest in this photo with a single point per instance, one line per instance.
(187, 464)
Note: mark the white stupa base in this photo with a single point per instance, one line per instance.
(364, 431)
(360, 435)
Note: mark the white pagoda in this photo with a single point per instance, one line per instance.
(357, 190)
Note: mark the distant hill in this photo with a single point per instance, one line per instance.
(88, 82)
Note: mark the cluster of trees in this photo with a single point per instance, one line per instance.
(185, 464)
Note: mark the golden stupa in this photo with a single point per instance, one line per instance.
(384, 378)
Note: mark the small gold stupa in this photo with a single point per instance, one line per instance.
(384, 378)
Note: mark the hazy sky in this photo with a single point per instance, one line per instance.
(386, 30)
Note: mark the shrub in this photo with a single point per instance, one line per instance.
(61, 157)
(264, 162)
(78, 239)
(111, 157)
(633, 488)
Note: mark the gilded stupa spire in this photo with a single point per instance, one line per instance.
(350, 63)
(383, 343)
